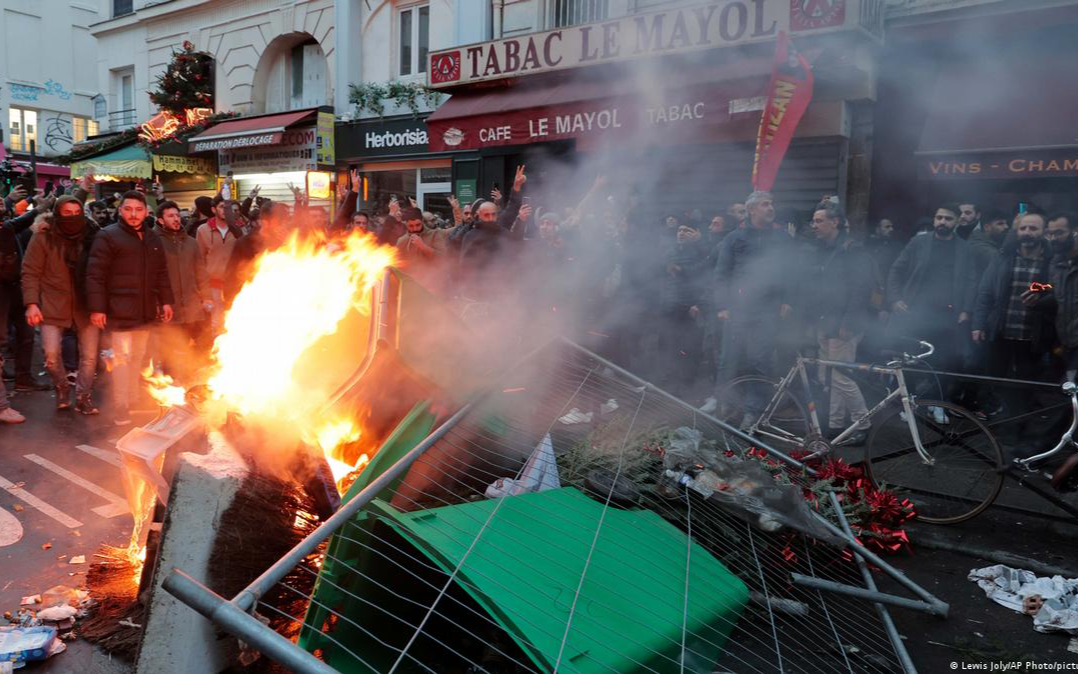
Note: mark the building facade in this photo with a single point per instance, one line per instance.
(49, 95)
(663, 98)
(975, 107)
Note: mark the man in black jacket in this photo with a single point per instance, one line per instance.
(15, 236)
(1017, 333)
(1063, 297)
(838, 304)
(752, 288)
(485, 254)
(127, 289)
(932, 286)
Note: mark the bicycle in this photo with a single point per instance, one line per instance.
(938, 453)
(1065, 476)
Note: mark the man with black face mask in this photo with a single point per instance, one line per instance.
(1018, 334)
(932, 286)
(55, 298)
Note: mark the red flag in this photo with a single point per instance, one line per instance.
(788, 97)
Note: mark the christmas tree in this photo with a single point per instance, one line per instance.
(186, 83)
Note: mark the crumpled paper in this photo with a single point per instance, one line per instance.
(1011, 587)
(539, 474)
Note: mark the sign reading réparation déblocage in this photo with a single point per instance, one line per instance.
(296, 151)
(720, 23)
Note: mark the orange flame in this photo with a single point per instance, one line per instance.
(298, 294)
(162, 388)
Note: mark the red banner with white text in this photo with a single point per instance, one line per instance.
(788, 97)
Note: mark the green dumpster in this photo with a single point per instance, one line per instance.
(526, 565)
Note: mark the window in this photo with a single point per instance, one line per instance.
(22, 129)
(414, 39)
(82, 128)
(573, 12)
(121, 7)
(123, 94)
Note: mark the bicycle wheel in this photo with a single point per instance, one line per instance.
(788, 422)
(967, 469)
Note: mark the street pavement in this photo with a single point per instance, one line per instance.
(60, 486)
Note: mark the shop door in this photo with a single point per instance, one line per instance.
(435, 188)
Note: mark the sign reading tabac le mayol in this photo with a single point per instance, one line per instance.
(720, 23)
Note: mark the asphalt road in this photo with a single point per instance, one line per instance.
(60, 487)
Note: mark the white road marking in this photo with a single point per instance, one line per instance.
(117, 505)
(103, 454)
(10, 529)
(34, 502)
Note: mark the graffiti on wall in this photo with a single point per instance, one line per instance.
(26, 92)
(22, 92)
(58, 136)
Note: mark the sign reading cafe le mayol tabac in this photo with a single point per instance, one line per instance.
(720, 23)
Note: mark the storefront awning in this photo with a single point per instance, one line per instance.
(53, 170)
(693, 101)
(248, 131)
(125, 163)
(1006, 117)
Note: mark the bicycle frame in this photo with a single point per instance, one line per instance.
(1068, 437)
(800, 371)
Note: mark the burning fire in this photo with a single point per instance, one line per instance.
(162, 388)
(333, 435)
(299, 294)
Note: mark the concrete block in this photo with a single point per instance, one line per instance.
(176, 639)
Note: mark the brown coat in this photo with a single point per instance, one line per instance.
(187, 275)
(48, 280)
(215, 249)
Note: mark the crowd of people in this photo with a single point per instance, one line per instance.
(689, 303)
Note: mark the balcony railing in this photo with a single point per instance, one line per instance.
(121, 119)
(574, 12)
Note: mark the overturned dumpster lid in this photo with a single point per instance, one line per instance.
(538, 562)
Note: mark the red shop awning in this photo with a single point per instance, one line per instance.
(690, 108)
(248, 131)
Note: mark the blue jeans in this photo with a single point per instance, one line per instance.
(130, 349)
(51, 342)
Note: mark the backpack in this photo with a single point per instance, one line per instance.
(10, 255)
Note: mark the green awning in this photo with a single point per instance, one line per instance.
(124, 163)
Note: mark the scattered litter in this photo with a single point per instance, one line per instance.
(17, 485)
(126, 622)
(1053, 602)
(1072, 645)
(69, 636)
(18, 508)
(575, 416)
(978, 635)
(78, 559)
(8, 584)
(56, 648)
(60, 595)
(61, 557)
(31, 600)
(57, 614)
(75, 532)
(46, 546)
(539, 474)
(609, 406)
(20, 645)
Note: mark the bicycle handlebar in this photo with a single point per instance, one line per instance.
(929, 350)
